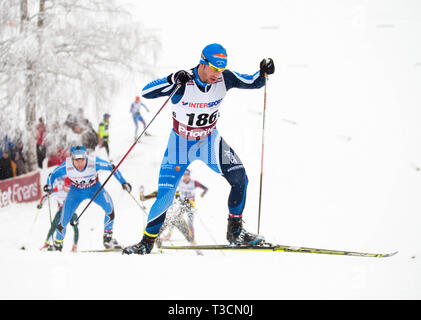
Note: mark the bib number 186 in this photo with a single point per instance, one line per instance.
(202, 119)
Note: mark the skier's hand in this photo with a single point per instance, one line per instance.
(127, 186)
(267, 66)
(48, 189)
(74, 222)
(203, 194)
(39, 205)
(181, 77)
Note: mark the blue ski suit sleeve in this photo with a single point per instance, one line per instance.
(105, 165)
(158, 88)
(243, 81)
(57, 173)
(163, 87)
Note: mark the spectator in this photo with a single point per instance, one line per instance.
(7, 166)
(73, 136)
(58, 158)
(70, 120)
(76, 128)
(89, 138)
(19, 159)
(82, 121)
(41, 148)
(103, 134)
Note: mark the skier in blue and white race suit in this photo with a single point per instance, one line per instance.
(195, 111)
(137, 116)
(82, 170)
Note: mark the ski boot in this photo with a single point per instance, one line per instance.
(56, 246)
(143, 247)
(109, 242)
(237, 235)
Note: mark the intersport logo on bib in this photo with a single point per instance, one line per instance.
(201, 105)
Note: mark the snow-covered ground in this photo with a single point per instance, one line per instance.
(341, 142)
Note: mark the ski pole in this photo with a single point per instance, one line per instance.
(49, 209)
(127, 153)
(49, 206)
(261, 163)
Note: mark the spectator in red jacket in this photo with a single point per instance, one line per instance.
(58, 158)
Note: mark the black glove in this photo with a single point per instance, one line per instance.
(180, 77)
(48, 189)
(127, 186)
(39, 205)
(74, 222)
(267, 66)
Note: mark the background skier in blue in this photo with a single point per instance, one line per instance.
(82, 170)
(136, 115)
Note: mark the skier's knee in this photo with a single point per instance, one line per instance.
(111, 215)
(238, 179)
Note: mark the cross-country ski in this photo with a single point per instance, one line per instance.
(281, 248)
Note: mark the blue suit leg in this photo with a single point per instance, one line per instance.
(73, 200)
(169, 177)
(140, 118)
(173, 165)
(136, 126)
(222, 159)
(103, 199)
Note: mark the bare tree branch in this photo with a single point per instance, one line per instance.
(59, 55)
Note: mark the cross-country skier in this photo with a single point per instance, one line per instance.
(137, 117)
(82, 171)
(196, 104)
(175, 217)
(184, 203)
(61, 188)
(187, 189)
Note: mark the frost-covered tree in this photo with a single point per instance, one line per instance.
(57, 56)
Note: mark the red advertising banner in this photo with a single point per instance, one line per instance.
(25, 188)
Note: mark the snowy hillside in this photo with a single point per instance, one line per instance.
(341, 142)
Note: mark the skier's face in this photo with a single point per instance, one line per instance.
(79, 164)
(208, 74)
